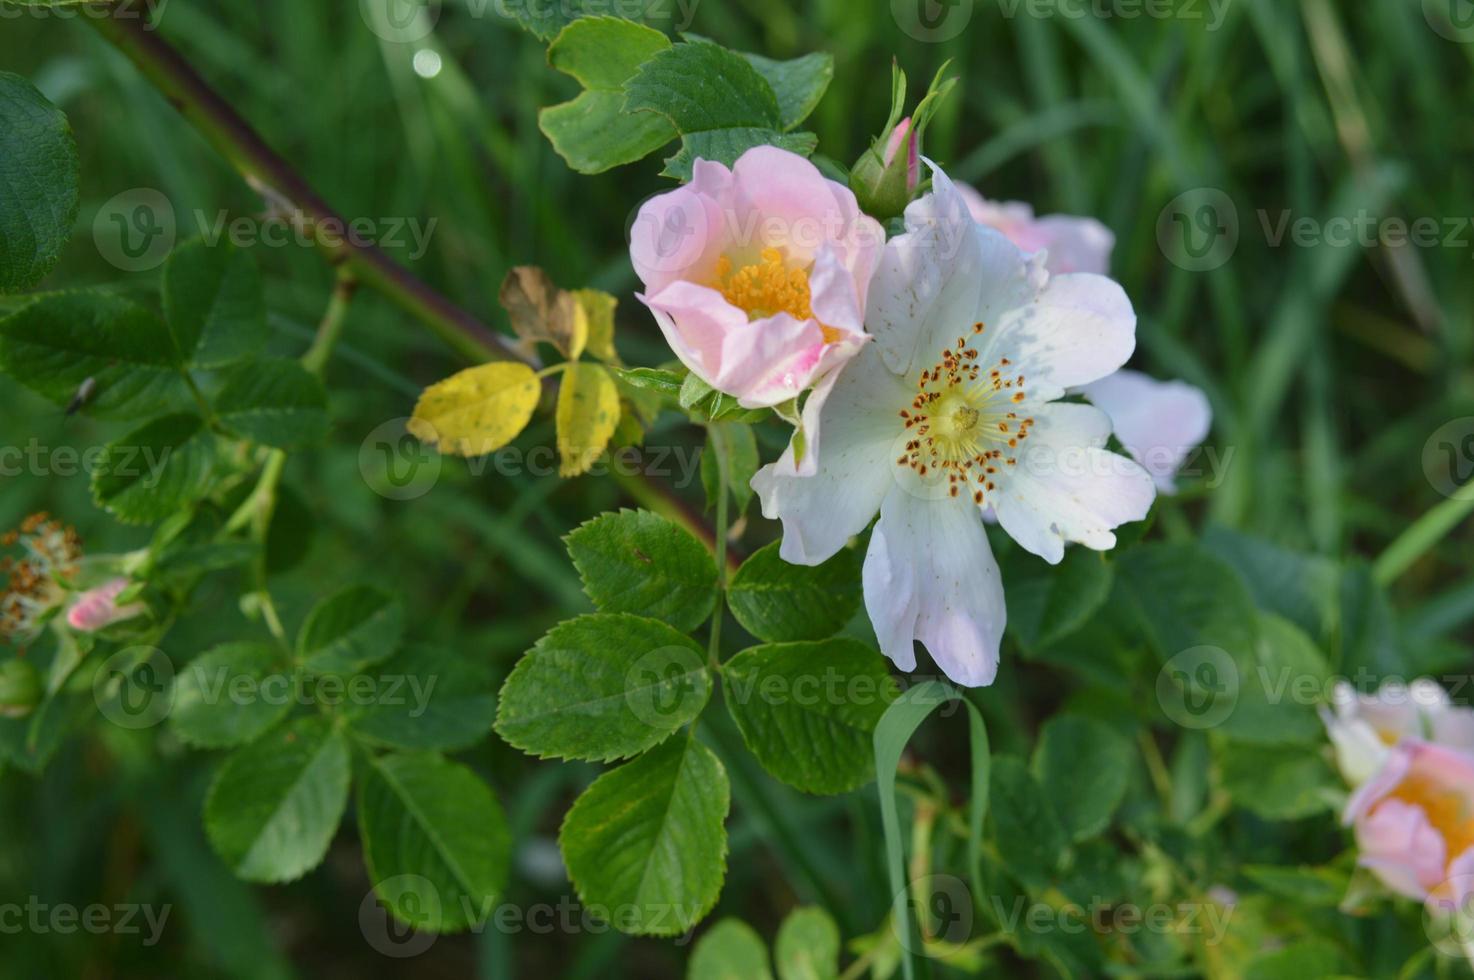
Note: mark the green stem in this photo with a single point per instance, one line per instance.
(1422, 536)
(333, 319)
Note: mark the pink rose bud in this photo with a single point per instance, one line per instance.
(98, 608)
(1414, 822)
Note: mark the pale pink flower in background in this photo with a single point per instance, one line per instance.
(758, 275)
(953, 409)
(98, 608)
(1365, 727)
(1159, 422)
(1414, 823)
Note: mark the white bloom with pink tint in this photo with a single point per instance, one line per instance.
(1072, 244)
(952, 410)
(1159, 422)
(1414, 822)
(98, 608)
(1365, 727)
(758, 275)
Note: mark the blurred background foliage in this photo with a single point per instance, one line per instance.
(1328, 369)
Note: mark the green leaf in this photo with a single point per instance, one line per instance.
(1083, 767)
(799, 84)
(1311, 887)
(776, 601)
(701, 86)
(1187, 598)
(351, 630)
(435, 841)
(729, 950)
(1046, 605)
(896, 727)
(275, 804)
(808, 946)
(603, 687)
(1281, 681)
(808, 711)
(1315, 957)
(1302, 588)
(214, 304)
(725, 145)
(427, 698)
(739, 447)
(593, 132)
(38, 184)
(664, 383)
(1275, 783)
(634, 561)
(649, 839)
(61, 340)
(1030, 839)
(275, 402)
(231, 695)
(156, 470)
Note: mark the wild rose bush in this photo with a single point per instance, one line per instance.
(852, 576)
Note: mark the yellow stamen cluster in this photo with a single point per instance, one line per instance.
(963, 421)
(1446, 808)
(50, 554)
(765, 287)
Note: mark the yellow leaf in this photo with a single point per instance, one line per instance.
(588, 411)
(478, 410)
(598, 308)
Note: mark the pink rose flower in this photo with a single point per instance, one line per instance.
(1074, 244)
(98, 608)
(1414, 822)
(758, 275)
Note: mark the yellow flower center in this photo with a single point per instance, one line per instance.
(1447, 810)
(966, 420)
(768, 287)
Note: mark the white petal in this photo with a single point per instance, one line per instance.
(1065, 488)
(852, 472)
(930, 576)
(1080, 329)
(1159, 422)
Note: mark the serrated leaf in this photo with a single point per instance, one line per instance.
(603, 687)
(777, 602)
(1083, 767)
(275, 402)
(649, 839)
(588, 413)
(478, 410)
(435, 841)
(427, 698)
(213, 303)
(807, 947)
(799, 83)
(593, 132)
(58, 342)
(351, 630)
(729, 950)
(598, 309)
(667, 384)
(638, 562)
(38, 184)
(701, 86)
(1030, 839)
(155, 470)
(808, 711)
(230, 695)
(275, 804)
(725, 145)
